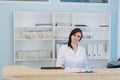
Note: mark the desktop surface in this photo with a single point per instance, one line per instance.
(25, 73)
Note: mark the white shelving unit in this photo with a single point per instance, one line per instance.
(28, 0)
(38, 36)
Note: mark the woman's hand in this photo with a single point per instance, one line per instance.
(62, 67)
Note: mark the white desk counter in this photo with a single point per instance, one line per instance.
(25, 73)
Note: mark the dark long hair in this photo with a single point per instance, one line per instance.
(72, 33)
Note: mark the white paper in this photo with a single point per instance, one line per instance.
(81, 70)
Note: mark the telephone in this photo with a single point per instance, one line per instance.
(114, 64)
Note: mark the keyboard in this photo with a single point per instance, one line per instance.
(50, 67)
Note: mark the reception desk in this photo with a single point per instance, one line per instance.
(25, 73)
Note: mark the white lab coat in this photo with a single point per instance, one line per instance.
(66, 57)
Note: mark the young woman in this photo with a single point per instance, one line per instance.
(72, 55)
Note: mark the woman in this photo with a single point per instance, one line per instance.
(72, 55)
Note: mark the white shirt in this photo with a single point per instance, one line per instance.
(67, 57)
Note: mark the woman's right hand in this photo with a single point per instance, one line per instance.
(62, 67)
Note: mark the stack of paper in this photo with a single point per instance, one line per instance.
(81, 70)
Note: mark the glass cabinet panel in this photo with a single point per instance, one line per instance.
(27, 0)
(86, 1)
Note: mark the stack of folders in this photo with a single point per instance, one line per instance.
(63, 24)
(33, 55)
(96, 51)
(35, 35)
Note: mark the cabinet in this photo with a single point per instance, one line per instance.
(33, 39)
(39, 35)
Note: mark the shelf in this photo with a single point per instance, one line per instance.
(34, 39)
(63, 19)
(30, 19)
(34, 60)
(36, 31)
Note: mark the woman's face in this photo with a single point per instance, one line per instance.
(76, 37)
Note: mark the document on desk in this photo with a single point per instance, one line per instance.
(80, 70)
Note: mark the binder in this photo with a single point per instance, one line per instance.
(90, 51)
(95, 51)
(101, 51)
(57, 49)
